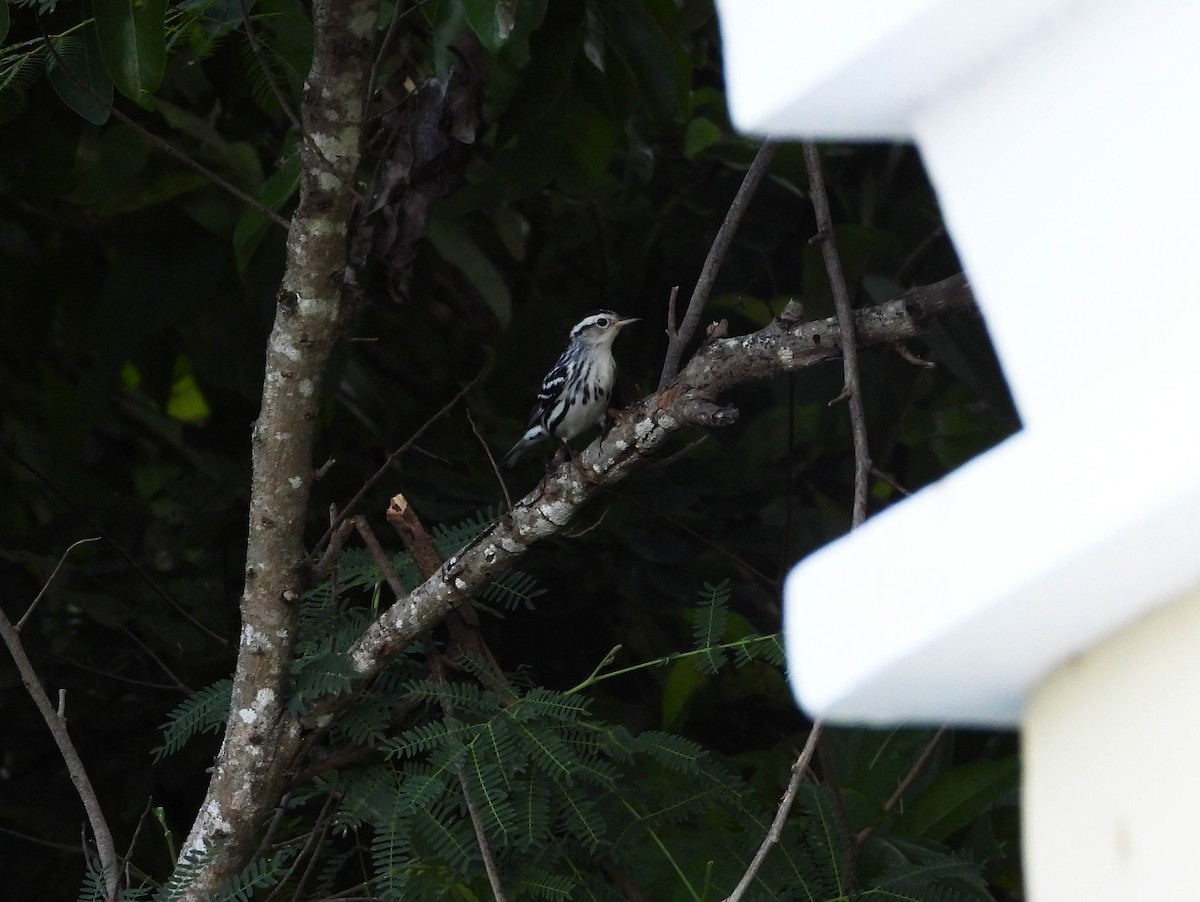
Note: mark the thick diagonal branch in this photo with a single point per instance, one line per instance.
(691, 399)
(57, 725)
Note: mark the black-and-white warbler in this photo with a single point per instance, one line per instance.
(574, 395)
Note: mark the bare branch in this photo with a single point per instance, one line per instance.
(672, 328)
(492, 460)
(852, 392)
(129, 559)
(906, 783)
(799, 768)
(716, 255)
(264, 67)
(845, 314)
(379, 556)
(46, 585)
(57, 725)
(334, 549)
(463, 623)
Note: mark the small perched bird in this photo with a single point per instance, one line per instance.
(574, 395)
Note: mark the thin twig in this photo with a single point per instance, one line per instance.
(379, 556)
(862, 463)
(125, 555)
(72, 848)
(492, 459)
(799, 768)
(712, 263)
(769, 583)
(437, 670)
(179, 683)
(384, 47)
(905, 784)
(485, 847)
(137, 832)
(315, 836)
(334, 549)
(672, 327)
(907, 355)
(849, 342)
(412, 440)
(260, 58)
(71, 662)
(46, 585)
(325, 821)
(109, 862)
(890, 480)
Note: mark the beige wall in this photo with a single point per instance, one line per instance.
(1111, 760)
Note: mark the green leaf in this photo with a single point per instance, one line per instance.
(134, 46)
(491, 20)
(274, 193)
(186, 402)
(959, 797)
(684, 680)
(639, 42)
(79, 79)
(456, 246)
(700, 135)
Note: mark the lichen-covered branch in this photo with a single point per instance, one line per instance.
(691, 399)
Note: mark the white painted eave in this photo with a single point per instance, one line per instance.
(1063, 138)
(859, 68)
(952, 604)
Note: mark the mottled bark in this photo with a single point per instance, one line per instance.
(260, 741)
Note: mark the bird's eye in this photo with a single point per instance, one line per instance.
(602, 322)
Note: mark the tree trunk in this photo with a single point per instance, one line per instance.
(260, 739)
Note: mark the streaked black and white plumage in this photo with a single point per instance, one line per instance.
(575, 393)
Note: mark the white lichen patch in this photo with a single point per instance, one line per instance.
(247, 715)
(642, 429)
(264, 697)
(213, 811)
(282, 347)
(305, 388)
(785, 354)
(460, 584)
(327, 181)
(489, 554)
(283, 436)
(295, 482)
(557, 512)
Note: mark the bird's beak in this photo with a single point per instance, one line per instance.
(622, 323)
